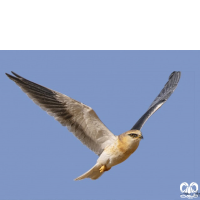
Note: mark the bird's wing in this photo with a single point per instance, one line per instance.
(80, 119)
(165, 93)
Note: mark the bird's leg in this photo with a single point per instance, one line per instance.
(103, 168)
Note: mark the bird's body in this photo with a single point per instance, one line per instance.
(114, 154)
(84, 123)
(120, 150)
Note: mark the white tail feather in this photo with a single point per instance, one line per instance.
(93, 173)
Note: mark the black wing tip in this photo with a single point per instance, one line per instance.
(9, 76)
(12, 73)
(15, 77)
(15, 74)
(175, 73)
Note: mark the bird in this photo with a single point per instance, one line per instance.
(84, 123)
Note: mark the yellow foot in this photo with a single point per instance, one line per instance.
(103, 168)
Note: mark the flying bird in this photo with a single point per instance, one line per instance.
(84, 123)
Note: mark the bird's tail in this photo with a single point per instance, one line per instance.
(93, 173)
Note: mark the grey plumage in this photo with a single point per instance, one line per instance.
(79, 118)
(165, 93)
(82, 119)
(88, 128)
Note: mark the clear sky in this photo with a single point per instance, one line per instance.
(40, 158)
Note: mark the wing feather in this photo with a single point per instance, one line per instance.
(165, 93)
(80, 119)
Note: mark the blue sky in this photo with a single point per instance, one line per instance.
(40, 158)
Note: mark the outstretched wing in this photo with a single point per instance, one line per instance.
(165, 93)
(79, 118)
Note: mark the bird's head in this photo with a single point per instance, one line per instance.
(130, 140)
(135, 134)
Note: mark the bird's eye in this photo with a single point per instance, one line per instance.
(133, 135)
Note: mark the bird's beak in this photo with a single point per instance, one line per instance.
(141, 137)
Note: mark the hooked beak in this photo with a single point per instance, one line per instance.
(141, 137)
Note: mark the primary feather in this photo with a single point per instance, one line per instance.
(80, 119)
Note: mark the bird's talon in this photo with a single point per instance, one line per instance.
(102, 168)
